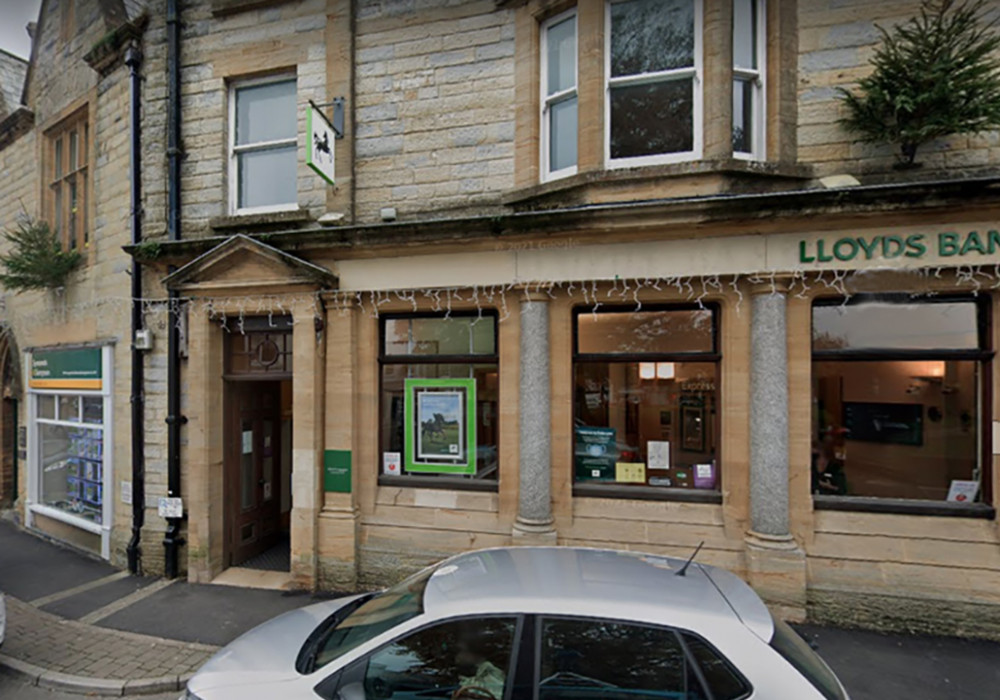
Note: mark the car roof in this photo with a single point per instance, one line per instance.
(602, 582)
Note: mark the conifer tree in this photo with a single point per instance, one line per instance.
(34, 257)
(936, 75)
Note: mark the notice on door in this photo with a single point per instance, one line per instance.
(247, 442)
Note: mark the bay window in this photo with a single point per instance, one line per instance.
(645, 405)
(653, 65)
(439, 398)
(749, 62)
(898, 397)
(559, 100)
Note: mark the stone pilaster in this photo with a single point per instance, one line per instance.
(775, 562)
(534, 522)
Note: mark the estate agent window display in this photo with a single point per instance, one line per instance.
(69, 437)
(645, 401)
(438, 401)
(899, 387)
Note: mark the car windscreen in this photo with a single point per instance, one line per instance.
(371, 618)
(799, 654)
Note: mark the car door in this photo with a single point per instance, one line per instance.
(468, 658)
(593, 658)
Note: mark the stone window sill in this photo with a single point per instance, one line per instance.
(221, 8)
(755, 174)
(246, 221)
(438, 482)
(904, 506)
(647, 493)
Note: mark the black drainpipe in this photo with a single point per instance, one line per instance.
(172, 539)
(133, 59)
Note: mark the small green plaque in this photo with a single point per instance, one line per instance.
(337, 471)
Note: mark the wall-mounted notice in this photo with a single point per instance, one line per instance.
(392, 463)
(658, 454)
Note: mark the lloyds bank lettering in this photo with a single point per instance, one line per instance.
(917, 245)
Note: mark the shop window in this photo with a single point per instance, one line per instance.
(68, 429)
(653, 66)
(439, 410)
(68, 181)
(898, 390)
(263, 145)
(559, 101)
(646, 397)
(749, 61)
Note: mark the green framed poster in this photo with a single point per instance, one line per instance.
(439, 419)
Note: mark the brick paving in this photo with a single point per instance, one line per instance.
(40, 638)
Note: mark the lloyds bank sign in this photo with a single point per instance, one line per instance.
(948, 244)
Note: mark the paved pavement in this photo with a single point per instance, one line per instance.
(12, 688)
(70, 614)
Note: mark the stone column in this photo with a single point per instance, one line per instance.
(534, 522)
(775, 563)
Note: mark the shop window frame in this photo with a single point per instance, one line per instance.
(442, 481)
(694, 73)
(984, 355)
(645, 492)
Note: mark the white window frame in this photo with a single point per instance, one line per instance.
(34, 487)
(235, 150)
(546, 101)
(693, 73)
(758, 79)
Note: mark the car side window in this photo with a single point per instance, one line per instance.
(584, 659)
(720, 676)
(468, 658)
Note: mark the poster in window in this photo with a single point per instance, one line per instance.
(693, 428)
(440, 426)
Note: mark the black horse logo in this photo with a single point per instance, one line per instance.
(322, 144)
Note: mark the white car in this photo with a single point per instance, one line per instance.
(529, 623)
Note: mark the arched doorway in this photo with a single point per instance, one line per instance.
(10, 392)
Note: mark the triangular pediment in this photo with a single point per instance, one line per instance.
(243, 262)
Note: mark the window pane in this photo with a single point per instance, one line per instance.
(458, 335)
(59, 159)
(644, 428)
(722, 680)
(657, 332)
(583, 659)
(745, 33)
(46, 406)
(73, 212)
(743, 116)
(72, 469)
(652, 119)
(885, 325)
(73, 146)
(487, 411)
(57, 206)
(93, 409)
(267, 177)
(562, 135)
(69, 408)
(651, 35)
(443, 661)
(894, 429)
(265, 112)
(560, 45)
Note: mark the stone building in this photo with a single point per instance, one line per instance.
(593, 273)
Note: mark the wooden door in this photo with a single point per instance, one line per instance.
(253, 472)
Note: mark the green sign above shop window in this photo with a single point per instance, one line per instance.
(337, 471)
(66, 369)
